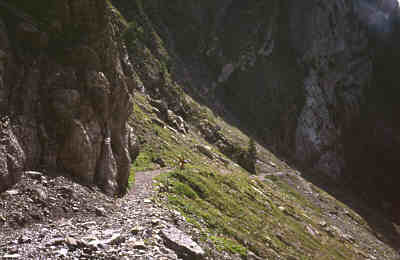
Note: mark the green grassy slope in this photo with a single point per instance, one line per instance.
(240, 212)
(235, 210)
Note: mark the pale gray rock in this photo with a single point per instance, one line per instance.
(182, 244)
(206, 150)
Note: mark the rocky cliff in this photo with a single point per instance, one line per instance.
(296, 69)
(65, 96)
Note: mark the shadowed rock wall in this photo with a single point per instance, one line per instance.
(65, 90)
(315, 79)
(296, 72)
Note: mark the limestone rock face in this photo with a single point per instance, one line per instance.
(66, 92)
(314, 78)
(334, 54)
(296, 71)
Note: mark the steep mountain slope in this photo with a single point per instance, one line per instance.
(214, 193)
(313, 80)
(276, 214)
(326, 76)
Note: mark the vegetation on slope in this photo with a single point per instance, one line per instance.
(237, 213)
(244, 214)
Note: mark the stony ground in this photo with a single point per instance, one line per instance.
(54, 218)
(344, 215)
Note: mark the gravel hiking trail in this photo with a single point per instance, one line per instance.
(53, 218)
(143, 187)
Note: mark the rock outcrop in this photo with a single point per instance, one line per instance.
(294, 71)
(65, 85)
(12, 157)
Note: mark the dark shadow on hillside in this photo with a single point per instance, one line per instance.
(378, 218)
(198, 75)
(363, 199)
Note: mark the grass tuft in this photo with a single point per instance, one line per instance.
(131, 180)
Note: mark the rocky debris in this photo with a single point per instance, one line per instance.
(160, 105)
(139, 245)
(71, 242)
(210, 131)
(206, 150)
(182, 244)
(223, 160)
(312, 231)
(11, 256)
(75, 222)
(34, 200)
(34, 175)
(159, 161)
(38, 193)
(101, 212)
(158, 122)
(341, 223)
(12, 192)
(177, 122)
(137, 229)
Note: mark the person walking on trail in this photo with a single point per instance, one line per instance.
(181, 162)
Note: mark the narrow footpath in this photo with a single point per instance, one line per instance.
(54, 218)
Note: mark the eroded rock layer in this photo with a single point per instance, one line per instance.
(65, 90)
